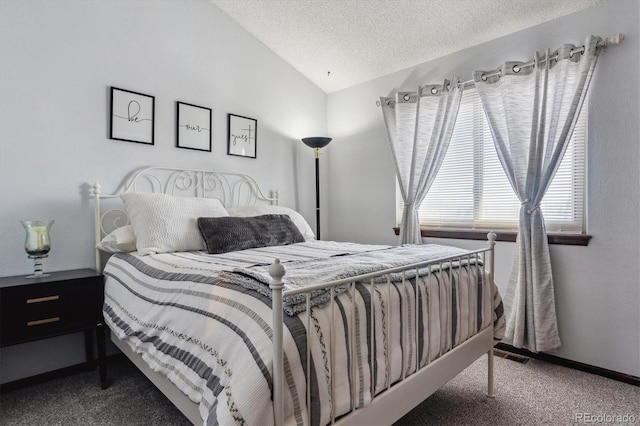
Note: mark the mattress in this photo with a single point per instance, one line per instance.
(211, 336)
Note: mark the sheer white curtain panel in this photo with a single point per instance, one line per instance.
(532, 111)
(419, 125)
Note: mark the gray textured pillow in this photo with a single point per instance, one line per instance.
(225, 234)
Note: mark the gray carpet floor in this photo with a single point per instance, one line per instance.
(533, 393)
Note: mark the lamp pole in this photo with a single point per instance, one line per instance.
(316, 143)
(316, 152)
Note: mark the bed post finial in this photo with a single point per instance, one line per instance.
(277, 271)
(491, 237)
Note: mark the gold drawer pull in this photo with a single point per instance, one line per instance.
(43, 321)
(43, 299)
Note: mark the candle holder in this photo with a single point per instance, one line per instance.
(37, 244)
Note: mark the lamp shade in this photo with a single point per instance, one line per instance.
(316, 142)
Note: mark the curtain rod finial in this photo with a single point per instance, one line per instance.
(614, 39)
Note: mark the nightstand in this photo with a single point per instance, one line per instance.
(64, 302)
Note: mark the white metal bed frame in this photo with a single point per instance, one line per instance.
(235, 189)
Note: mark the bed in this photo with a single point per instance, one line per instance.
(228, 304)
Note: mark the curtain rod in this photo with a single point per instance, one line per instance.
(614, 39)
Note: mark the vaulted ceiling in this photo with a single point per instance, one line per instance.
(340, 43)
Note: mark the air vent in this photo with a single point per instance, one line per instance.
(510, 356)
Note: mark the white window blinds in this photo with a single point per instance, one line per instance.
(471, 190)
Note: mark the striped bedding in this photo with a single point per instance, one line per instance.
(212, 337)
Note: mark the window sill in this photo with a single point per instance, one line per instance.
(509, 236)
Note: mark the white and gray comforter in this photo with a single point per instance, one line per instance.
(191, 319)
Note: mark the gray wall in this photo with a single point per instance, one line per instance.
(58, 60)
(597, 287)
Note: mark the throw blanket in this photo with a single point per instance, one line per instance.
(212, 338)
(300, 274)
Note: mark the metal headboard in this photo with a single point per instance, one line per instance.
(233, 189)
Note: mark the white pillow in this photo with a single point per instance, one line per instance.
(164, 223)
(121, 240)
(257, 210)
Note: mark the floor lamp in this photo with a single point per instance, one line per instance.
(316, 143)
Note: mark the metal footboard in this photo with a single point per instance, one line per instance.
(446, 269)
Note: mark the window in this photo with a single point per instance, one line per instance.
(471, 190)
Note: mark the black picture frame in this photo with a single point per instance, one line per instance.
(242, 136)
(132, 116)
(193, 127)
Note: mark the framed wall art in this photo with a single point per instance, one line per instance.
(132, 116)
(243, 136)
(193, 127)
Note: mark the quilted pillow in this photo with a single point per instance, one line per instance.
(257, 210)
(121, 240)
(164, 223)
(225, 234)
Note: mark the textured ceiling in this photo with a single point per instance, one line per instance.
(339, 43)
